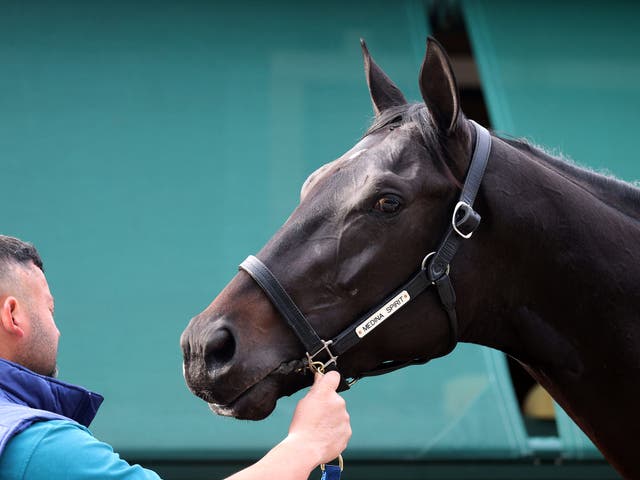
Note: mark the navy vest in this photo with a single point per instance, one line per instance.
(26, 397)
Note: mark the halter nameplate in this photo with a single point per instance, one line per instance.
(395, 304)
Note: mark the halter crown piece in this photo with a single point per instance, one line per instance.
(434, 270)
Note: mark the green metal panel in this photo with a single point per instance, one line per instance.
(567, 76)
(147, 150)
(460, 407)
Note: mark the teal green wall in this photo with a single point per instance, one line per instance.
(564, 74)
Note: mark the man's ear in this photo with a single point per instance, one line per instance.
(10, 316)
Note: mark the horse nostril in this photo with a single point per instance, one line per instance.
(219, 348)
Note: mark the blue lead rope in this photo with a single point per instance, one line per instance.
(331, 472)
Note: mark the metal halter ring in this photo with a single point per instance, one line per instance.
(426, 259)
(340, 463)
(316, 367)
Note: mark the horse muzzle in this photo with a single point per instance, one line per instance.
(224, 367)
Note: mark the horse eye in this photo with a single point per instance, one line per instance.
(395, 123)
(388, 204)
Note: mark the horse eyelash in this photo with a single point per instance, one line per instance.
(394, 123)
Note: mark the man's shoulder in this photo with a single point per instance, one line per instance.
(56, 434)
(56, 427)
(67, 432)
(61, 449)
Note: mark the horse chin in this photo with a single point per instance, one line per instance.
(258, 401)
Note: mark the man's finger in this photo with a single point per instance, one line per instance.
(327, 382)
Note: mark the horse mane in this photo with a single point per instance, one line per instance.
(609, 189)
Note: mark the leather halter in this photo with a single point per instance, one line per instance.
(434, 271)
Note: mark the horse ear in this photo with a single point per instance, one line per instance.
(438, 86)
(384, 93)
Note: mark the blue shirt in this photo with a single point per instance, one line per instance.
(44, 435)
(59, 449)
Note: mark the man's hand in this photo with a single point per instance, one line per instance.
(319, 431)
(321, 421)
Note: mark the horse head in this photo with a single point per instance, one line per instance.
(363, 226)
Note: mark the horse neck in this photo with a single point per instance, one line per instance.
(556, 255)
(609, 190)
(552, 280)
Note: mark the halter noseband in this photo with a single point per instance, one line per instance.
(434, 271)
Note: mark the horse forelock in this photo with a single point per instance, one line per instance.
(414, 113)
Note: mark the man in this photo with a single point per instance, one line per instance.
(43, 421)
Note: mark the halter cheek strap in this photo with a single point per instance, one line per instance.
(464, 220)
(434, 271)
(283, 303)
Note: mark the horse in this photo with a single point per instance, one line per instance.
(541, 263)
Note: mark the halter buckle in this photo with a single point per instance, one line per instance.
(318, 365)
(468, 213)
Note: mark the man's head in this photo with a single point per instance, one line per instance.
(28, 333)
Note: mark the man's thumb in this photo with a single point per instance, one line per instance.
(326, 382)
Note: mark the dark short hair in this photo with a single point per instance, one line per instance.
(15, 250)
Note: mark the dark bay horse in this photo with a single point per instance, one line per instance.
(551, 276)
